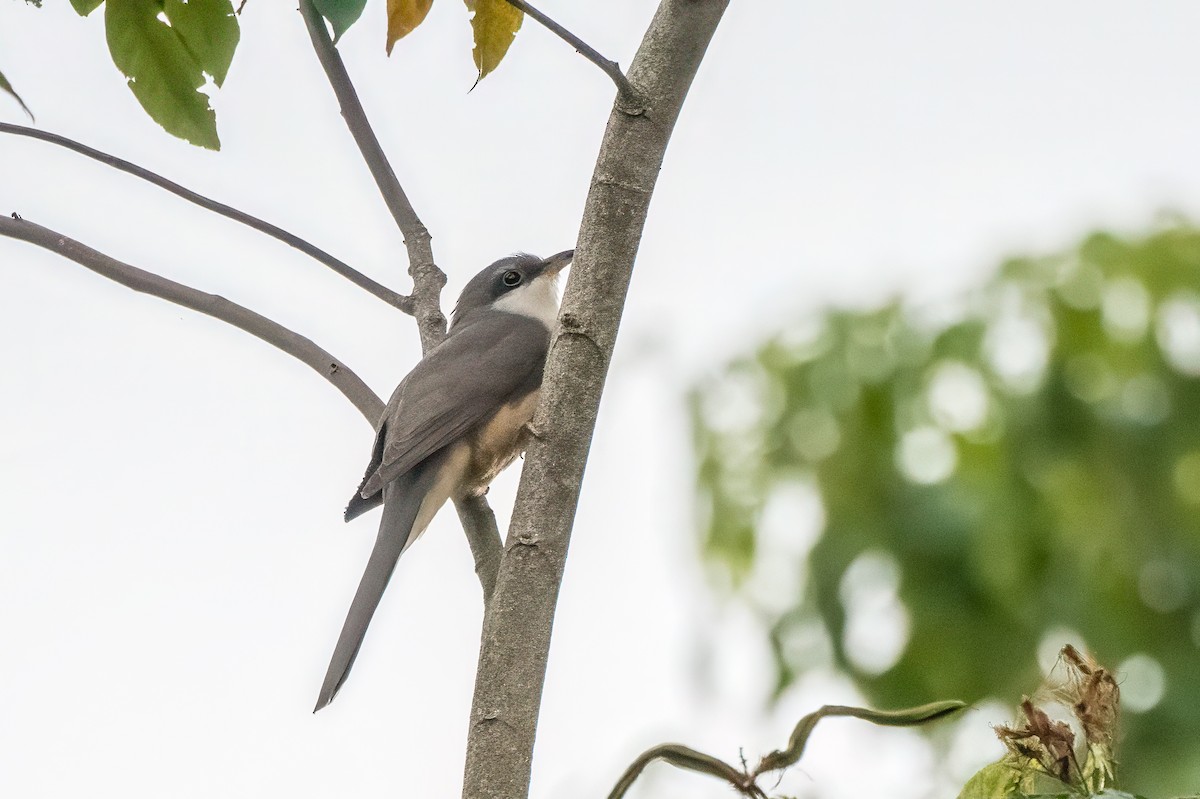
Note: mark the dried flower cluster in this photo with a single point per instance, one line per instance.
(1044, 746)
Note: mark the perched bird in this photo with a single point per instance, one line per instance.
(453, 424)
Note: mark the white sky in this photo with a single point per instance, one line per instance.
(173, 567)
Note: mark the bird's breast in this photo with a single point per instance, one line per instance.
(500, 440)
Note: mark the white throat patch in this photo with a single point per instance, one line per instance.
(537, 300)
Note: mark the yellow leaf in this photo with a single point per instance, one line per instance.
(403, 17)
(495, 23)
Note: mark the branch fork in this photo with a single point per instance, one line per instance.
(629, 99)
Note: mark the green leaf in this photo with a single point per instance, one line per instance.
(993, 781)
(495, 23)
(7, 88)
(165, 61)
(209, 30)
(1004, 780)
(85, 7)
(340, 13)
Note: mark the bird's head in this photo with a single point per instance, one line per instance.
(521, 284)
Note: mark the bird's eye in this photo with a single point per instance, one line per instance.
(512, 278)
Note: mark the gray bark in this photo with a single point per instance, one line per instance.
(483, 536)
(384, 293)
(517, 624)
(606, 65)
(332, 369)
(428, 279)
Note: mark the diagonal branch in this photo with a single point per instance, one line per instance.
(483, 535)
(428, 280)
(392, 298)
(611, 68)
(257, 325)
(684, 757)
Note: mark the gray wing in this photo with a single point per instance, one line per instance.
(458, 385)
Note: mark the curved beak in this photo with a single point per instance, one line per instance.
(558, 262)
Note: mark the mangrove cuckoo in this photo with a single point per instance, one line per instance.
(454, 423)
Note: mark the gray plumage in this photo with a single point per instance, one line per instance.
(452, 424)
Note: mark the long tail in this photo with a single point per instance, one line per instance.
(402, 502)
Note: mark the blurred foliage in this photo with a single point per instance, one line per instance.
(1024, 475)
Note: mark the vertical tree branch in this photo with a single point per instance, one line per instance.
(517, 624)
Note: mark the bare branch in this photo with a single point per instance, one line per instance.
(908, 717)
(257, 325)
(483, 535)
(685, 757)
(518, 622)
(629, 95)
(744, 781)
(384, 293)
(428, 280)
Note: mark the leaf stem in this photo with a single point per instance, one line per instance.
(7, 87)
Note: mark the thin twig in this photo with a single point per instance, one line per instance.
(745, 781)
(384, 293)
(684, 757)
(257, 325)
(907, 717)
(428, 280)
(628, 94)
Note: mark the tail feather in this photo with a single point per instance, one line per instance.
(359, 504)
(402, 500)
